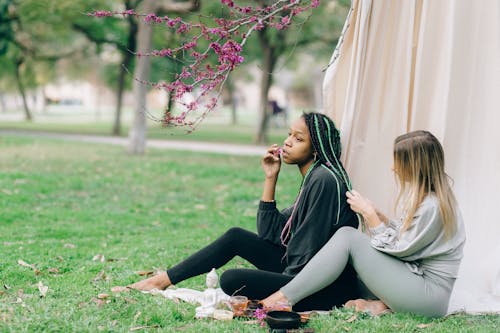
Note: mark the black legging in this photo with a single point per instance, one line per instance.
(258, 284)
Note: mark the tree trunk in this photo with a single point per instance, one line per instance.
(169, 107)
(2, 102)
(126, 61)
(22, 91)
(268, 63)
(137, 135)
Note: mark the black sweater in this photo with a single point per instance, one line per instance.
(314, 220)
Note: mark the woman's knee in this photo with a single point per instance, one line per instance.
(235, 233)
(347, 234)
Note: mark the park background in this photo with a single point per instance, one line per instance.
(60, 71)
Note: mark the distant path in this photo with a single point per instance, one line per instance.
(209, 147)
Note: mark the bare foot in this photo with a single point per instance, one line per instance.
(160, 281)
(276, 301)
(120, 289)
(374, 307)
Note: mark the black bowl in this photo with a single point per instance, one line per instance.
(283, 319)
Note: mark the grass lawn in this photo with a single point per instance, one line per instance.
(66, 206)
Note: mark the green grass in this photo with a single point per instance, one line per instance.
(62, 204)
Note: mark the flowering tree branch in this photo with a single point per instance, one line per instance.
(222, 38)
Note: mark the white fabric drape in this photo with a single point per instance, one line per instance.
(434, 65)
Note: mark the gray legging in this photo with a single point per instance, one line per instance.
(387, 277)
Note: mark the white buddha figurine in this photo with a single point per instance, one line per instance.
(208, 299)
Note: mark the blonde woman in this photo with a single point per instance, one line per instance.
(410, 264)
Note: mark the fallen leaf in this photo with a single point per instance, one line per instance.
(144, 273)
(20, 301)
(143, 327)
(353, 318)
(99, 302)
(136, 316)
(423, 325)
(103, 296)
(20, 293)
(69, 246)
(99, 257)
(43, 289)
(25, 264)
(53, 270)
(100, 276)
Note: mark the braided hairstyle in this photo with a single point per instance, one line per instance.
(325, 138)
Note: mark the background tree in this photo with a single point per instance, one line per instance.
(122, 35)
(285, 46)
(37, 33)
(137, 134)
(276, 36)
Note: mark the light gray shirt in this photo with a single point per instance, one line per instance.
(424, 245)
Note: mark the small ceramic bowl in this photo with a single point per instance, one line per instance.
(283, 319)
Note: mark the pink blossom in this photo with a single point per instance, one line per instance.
(246, 10)
(192, 106)
(228, 3)
(100, 13)
(189, 45)
(166, 53)
(149, 18)
(182, 28)
(185, 74)
(225, 38)
(260, 314)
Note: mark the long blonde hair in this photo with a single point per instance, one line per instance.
(419, 165)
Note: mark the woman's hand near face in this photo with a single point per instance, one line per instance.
(271, 162)
(363, 206)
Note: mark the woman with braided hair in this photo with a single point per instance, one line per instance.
(409, 264)
(286, 240)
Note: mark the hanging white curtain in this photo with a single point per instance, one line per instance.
(434, 65)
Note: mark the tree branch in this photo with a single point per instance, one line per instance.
(96, 39)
